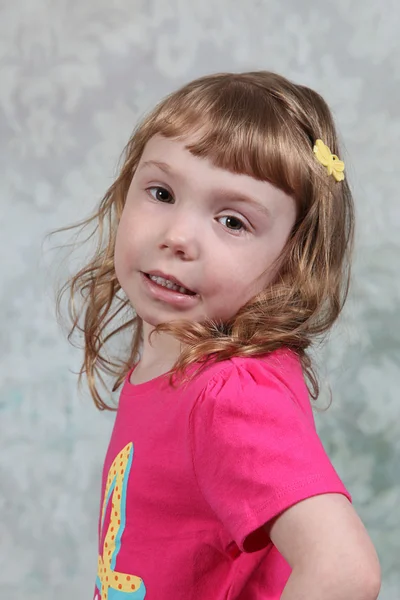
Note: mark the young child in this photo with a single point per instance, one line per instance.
(225, 244)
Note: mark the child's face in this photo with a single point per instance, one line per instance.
(214, 231)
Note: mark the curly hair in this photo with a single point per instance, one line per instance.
(262, 125)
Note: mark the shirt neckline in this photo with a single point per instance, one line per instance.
(136, 388)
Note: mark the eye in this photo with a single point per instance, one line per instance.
(161, 194)
(234, 223)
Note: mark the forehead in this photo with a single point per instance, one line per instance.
(174, 157)
(160, 148)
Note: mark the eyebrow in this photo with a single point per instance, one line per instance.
(229, 195)
(157, 163)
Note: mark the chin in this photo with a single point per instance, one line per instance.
(152, 320)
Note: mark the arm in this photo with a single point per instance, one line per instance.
(327, 546)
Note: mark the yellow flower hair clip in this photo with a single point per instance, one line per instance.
(333, 165)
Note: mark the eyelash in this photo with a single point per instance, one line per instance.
(158, 187)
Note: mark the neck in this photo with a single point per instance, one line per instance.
(161, 352)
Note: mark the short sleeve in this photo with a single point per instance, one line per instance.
(255, 448)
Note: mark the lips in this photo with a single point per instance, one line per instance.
(172, 279)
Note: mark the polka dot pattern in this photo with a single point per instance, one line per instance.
(107, 577)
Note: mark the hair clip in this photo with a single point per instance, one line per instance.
(333, 165)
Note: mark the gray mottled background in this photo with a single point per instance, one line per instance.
(74, 78)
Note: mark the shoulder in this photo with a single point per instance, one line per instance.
(267, 384)
(280, 369)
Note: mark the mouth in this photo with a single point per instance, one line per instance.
(169, 282)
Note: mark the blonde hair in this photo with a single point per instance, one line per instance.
(265, 126)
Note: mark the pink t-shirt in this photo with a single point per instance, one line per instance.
(191, 471)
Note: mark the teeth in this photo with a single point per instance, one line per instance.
(168, 284)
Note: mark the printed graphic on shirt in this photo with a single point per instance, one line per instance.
(111, 584)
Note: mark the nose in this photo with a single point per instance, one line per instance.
(181, 236)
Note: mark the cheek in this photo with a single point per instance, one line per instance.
(242, 279)
(118, 261)
(230, 285)
(124, 250)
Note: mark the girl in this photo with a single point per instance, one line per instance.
(225, 243)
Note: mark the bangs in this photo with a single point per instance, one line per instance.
(238, 127)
